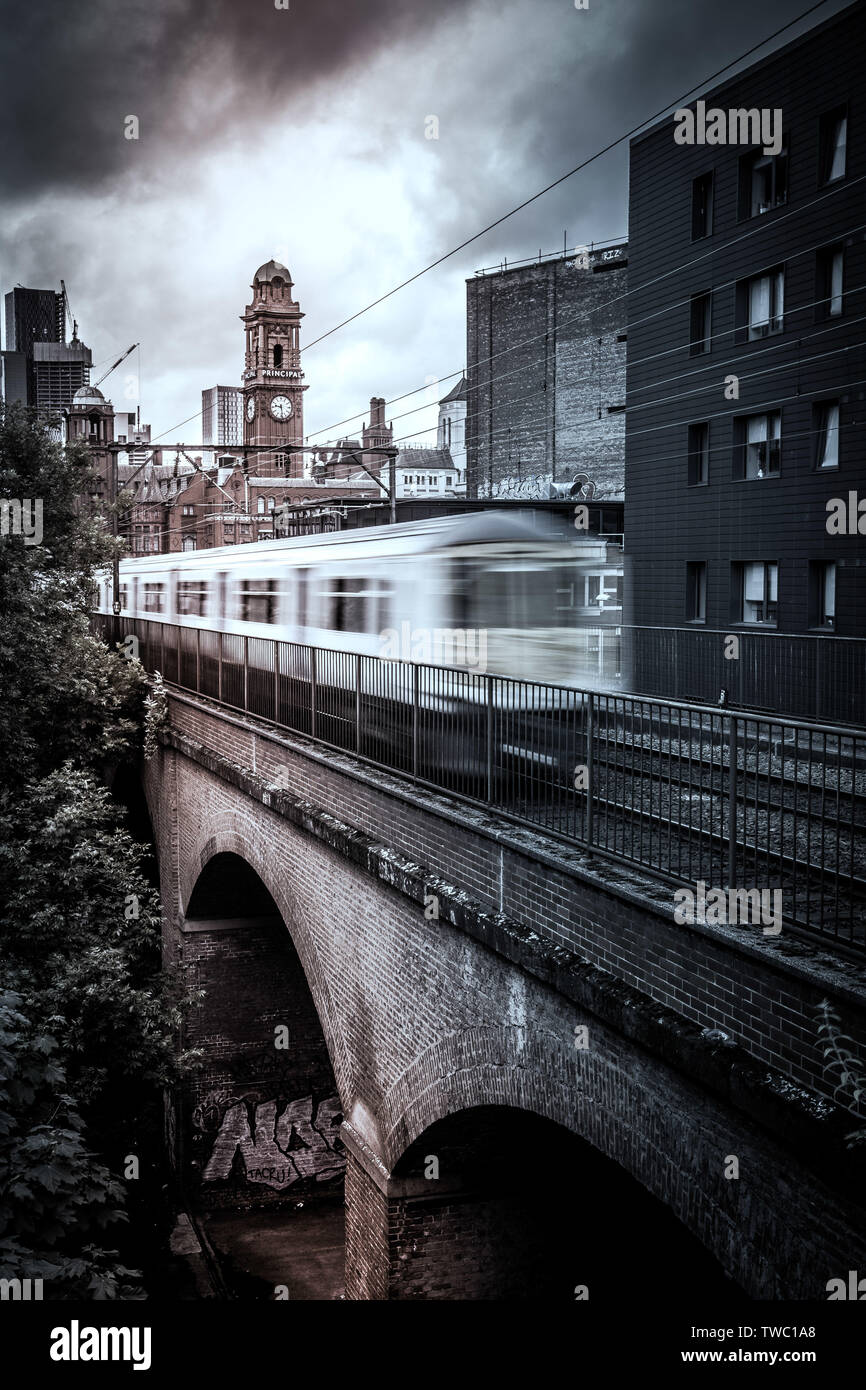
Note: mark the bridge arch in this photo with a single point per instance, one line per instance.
(500, 1202)
(633, 1129)
(425, 1018)
(260, 1120)
(252, 851)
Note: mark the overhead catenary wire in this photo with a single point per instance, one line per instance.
(556, 182)
(819, 393)
(626, 294)
(627, 135)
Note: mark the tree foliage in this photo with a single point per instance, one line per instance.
(86, 1017)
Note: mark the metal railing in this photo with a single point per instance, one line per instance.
(693, 795)
(798, 675)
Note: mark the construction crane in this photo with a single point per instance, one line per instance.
(122, 358)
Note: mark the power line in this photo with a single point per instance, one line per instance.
(699, 86)
(578, 167)
(636, 323)
(819, 392)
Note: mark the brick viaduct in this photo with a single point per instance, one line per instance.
(496, 1041)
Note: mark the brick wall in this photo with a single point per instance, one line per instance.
(545, 348)
(763, 991)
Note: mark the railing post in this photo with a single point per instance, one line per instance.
(358, 703)
(220, 667)
(313, 678)
(246, 673)
(489, 680)
(276, 681)
(590, 767)
(416, 678)
(198, 661)
(162, 649)
(732, 800)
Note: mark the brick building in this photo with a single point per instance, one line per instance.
(545, 348)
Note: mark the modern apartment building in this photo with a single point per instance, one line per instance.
(746, 386)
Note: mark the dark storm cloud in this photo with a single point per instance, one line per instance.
(606, 71)
(189, 69)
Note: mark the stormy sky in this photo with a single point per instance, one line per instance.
(299, 133)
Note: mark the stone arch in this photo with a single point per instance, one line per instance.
(498, 1202)
(226, 838)
(260, 1123)
(631, 1110)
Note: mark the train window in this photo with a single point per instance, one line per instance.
(356, 605)
(258, 600)
(124, 596)
(381, 605)
(154, 595)
(302, 576)
(192, 597)
(518, 595)
(345, 605)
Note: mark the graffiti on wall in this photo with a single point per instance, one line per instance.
(540, 486)
(272, 1146)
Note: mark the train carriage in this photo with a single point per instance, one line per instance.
(421, 616)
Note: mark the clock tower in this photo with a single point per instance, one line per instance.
(273, 381)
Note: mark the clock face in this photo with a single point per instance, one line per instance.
(251, 407)
(281, 407)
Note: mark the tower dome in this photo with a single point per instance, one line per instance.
(272, 270)
(88, 395)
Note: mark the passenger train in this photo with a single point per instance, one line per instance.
(507, 594)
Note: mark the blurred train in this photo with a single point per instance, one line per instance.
(506, 594)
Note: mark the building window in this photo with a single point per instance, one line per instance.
(278, 355)
(761, 305)
(763, 182)
(822, 586)
(758, 445)
(188, 543)
(756, 591)
(270, 504)
(699, 331)
(699, 454)
(696, 591)
(260, 506)
(828, 282)
(187, 510)
(825, 416)
(833, 140)
(702, 206)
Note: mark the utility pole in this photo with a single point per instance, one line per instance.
(115, 564)
(392, 484)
